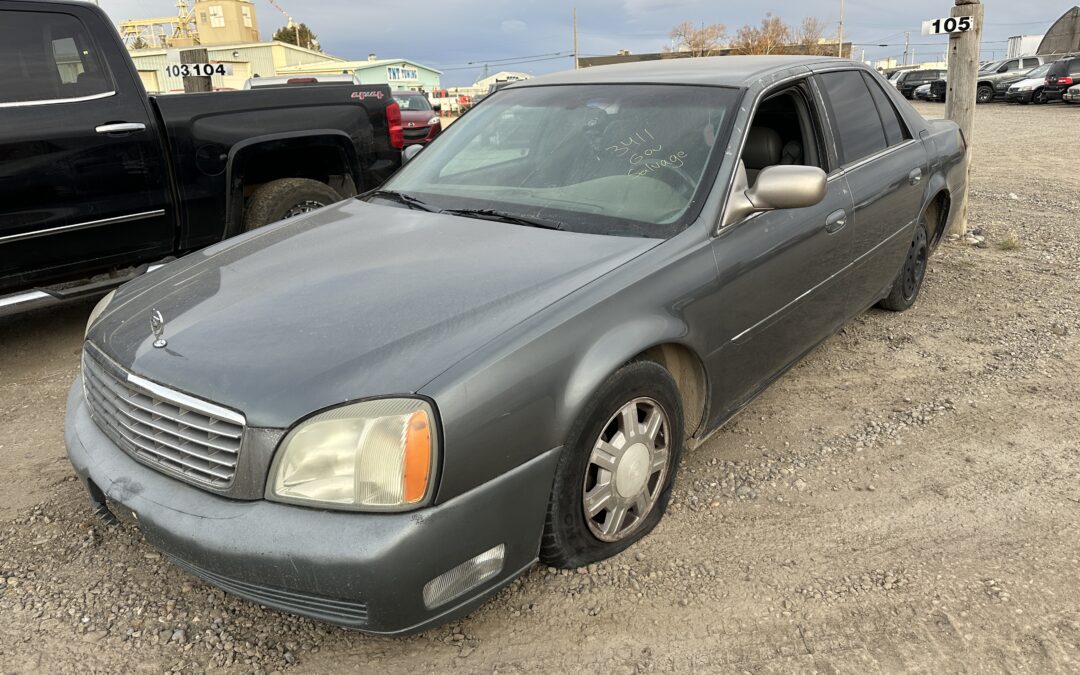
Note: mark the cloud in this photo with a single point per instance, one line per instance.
(513, 26)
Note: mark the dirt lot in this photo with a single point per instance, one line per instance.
(905, 499)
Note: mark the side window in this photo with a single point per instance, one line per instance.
(854, 115)
(1009, 66)
(49, 56)
(1074, 67)
(784, 131)
(895, 129)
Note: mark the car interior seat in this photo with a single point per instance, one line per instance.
(764, 148)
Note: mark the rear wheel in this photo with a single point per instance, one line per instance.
(906, 286)
(614, 478)
(286, 198)
(984, 94)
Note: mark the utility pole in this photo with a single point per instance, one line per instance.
(907, 46)
(840, 46)
(961, 86)
(197, 83)
(574, 21)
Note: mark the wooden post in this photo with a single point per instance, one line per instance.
(961, 87)
(201, 82)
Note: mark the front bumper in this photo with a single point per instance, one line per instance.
(359, 570)
(1019, 96)
(1071, 97)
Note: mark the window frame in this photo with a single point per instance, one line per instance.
(905, 131)
(103, 62)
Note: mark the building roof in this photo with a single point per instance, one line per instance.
(234, 46)
(732, 71)
(352, 65)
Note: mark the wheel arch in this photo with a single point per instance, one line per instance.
(255, 161)
(938, 210)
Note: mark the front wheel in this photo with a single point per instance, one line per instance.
(614, 479)
(286, 198)
(906, 286)
(984, 94)
(1038, 96)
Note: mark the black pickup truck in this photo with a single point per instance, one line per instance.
(99, 182)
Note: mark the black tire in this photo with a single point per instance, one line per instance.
(568, 541)
(905, 289)
(1038, 96)
(274, 200)
(984, 94)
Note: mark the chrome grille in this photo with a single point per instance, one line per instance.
(169, 430)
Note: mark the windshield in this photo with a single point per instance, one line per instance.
(992, 66)
(628, 159)
(412, 101)
(1039, 71)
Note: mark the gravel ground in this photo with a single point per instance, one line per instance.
(905, 499)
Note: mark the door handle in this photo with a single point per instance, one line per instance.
(915, 176)
(836, 221)
(120, 128)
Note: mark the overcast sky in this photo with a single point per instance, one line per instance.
(459, 36)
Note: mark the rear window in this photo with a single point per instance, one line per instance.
(48, 56)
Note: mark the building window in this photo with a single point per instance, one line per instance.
(217, 16)
(248, 23)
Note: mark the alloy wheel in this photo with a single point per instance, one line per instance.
(306, 206)
(626, 469)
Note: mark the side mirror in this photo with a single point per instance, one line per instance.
(410, 152)
(787, 187)
(776, 187)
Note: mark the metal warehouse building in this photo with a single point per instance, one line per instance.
(398, 73)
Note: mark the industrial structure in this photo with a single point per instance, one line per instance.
(206, 22)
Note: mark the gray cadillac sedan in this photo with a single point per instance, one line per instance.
(379, 413)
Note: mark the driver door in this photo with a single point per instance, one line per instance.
(782, 274)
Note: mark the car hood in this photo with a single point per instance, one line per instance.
(418, 117)
(1028, 82)
(356, 300)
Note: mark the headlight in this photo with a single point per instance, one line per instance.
(98, 310)
(1025, 88)
(375, 455)
(433, 121)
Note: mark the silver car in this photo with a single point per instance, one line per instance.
(379, 413)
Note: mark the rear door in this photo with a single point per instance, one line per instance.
(885, 168)
(81, 171)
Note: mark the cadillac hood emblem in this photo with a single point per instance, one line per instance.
(157, 325)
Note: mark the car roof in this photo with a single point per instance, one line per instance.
(731, 71)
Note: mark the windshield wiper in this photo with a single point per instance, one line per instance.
(401, 197)
(504, 217)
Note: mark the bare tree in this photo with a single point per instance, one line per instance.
(772, 37)
(699, 40)
(808, 38)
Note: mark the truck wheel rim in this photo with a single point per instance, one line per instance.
(306, 206)
(915, 266)
(627, 468)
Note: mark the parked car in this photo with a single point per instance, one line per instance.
(381, 412)
(939, 90)
(258, 82)
(1030, 87)
(1072, 94)
(917, 78)
(922, 92)
(995, 78)
(419, 118)
(1062, 75)
(99, 181)
(895, 77)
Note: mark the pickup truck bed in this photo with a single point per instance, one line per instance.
(99, 180)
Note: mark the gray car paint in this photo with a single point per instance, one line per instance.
(512, 329)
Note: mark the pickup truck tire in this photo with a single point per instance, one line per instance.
(285, 198)
(905, 289)
(984, 94)
(571, 537)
